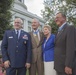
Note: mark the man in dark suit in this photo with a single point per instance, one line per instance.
(64, 46)
(74, 69)
(16, 50)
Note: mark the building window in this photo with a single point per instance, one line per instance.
(29, 29)
(40, 27)
(20, 0)
(29, 26)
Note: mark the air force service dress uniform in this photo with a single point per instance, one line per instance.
(16, 50)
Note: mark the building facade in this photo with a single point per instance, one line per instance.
(19, 10)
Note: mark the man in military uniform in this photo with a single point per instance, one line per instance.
(16, 50)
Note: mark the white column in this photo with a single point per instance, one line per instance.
(13, 18)
(25, 25)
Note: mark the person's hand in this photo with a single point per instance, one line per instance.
(68, 70)
(6, 64)
(27, 65)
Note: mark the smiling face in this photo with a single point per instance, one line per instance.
(17, 23)
(47, 30)
(35, 24)
(60, 19)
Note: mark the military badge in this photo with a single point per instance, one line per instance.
(25, 37)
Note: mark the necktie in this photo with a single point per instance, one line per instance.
(58, 31)
(36, 38)
(17, 33)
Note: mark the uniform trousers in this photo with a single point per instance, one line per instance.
(16, 71)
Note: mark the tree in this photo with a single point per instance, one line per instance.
(5, 16)
(72, 10)
(51, 8)
(72, 2)
(48, 14)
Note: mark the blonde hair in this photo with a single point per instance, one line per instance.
(47, 26)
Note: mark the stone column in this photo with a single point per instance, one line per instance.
(25, 25)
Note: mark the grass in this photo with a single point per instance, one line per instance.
(27, 72)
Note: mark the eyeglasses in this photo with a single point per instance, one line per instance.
(58, 17)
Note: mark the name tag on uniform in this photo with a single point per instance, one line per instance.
(10, 37)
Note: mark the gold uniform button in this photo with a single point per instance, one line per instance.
(16, 46)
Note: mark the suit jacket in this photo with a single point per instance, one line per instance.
(48, 49)
(17, 51)
(74, 69)
(64, 48)
(36, 49)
